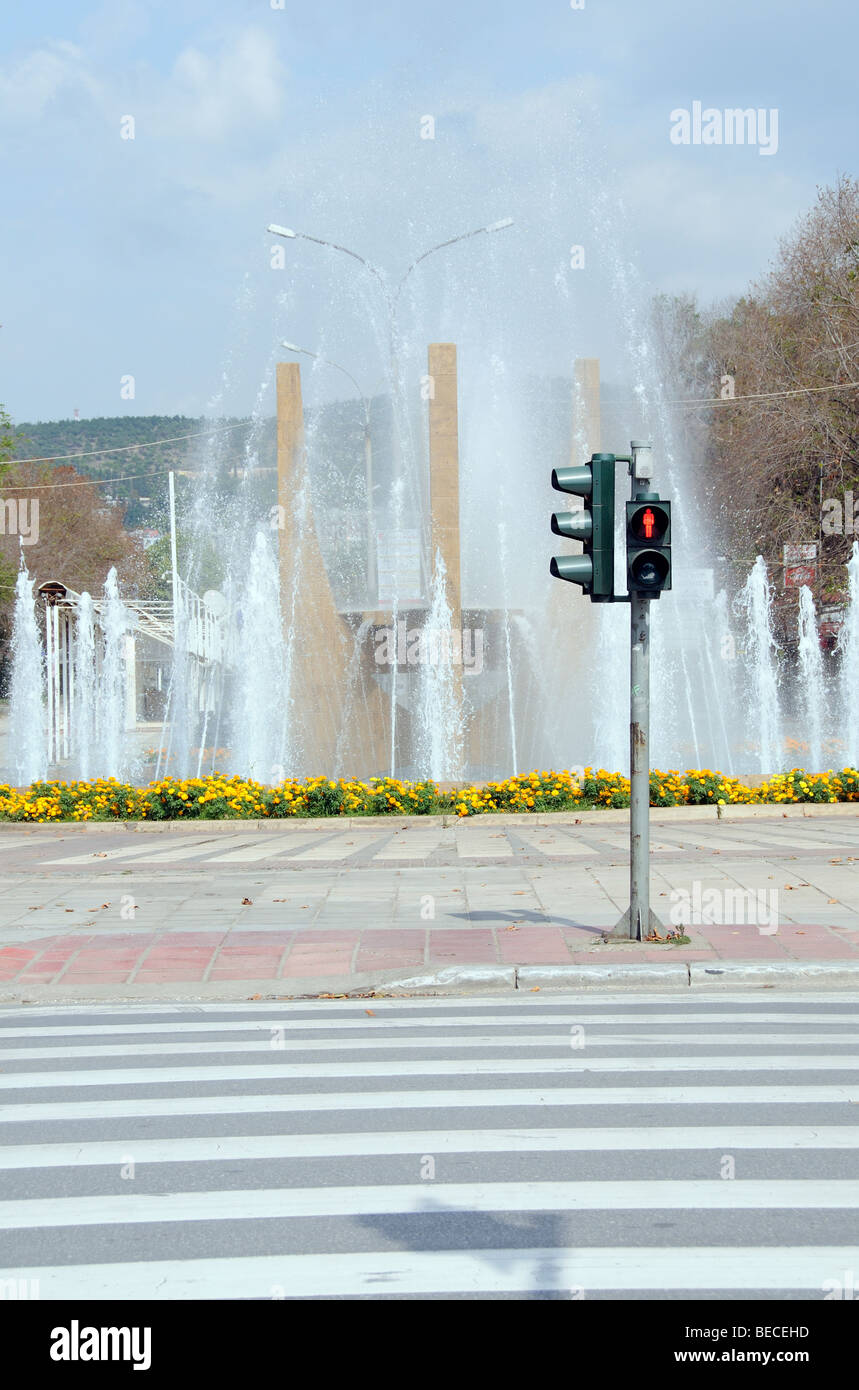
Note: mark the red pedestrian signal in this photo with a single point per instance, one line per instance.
(648, 524)
(648, 546)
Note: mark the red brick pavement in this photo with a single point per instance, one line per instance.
(188, 957)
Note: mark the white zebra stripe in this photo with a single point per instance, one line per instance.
(430, 1066)
(274, 1038)
(265, 846)
(357, 1144)
(154, 852)
(430, 1198)
(513, 1098)
(291, 1018)
(414, 844)
(343, 846)
(635, 1269)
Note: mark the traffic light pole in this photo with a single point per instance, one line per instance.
(639, 919)
(648, 547)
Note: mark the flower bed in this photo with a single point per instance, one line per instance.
(221, 797)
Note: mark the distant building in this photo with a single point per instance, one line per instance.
(146, 535)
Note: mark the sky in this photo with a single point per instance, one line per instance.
(145, 145)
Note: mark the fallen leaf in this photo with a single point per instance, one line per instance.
(831, 900)
(511, 928)
(247, 902)
(535, 989)
(256, 996)
(103, 905)
(369, 1013)
(69, 909)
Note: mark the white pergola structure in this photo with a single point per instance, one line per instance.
(208, 640)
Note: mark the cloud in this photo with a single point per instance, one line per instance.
(210, 97)
(37, 80)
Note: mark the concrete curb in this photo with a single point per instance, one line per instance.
(647, 975)
(658, 815)
(671, 977)
(769, 973)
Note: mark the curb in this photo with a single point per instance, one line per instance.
(771, 973)
(658, 814)
(469, 979)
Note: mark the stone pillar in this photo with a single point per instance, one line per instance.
(444, 470)
(290, 457)
(556, 734)
(324, 641)
(586, 410)
(444, 489)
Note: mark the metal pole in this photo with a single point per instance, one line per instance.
(174, 567)
(49, 661)
(639, 764)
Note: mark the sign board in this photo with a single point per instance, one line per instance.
(800, 565)
(398, 555)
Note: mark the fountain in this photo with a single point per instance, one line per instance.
(27, 741)
(441, 730)
(754, 604)
(424, 509)
(84, 699)
(848, 646)
(110, 701)
(811, 679)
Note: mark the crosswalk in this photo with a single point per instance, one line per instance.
(321, 847)
(563, 1147)
(480, 840)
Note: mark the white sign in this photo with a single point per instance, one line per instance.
(398, 558)
(799, 554)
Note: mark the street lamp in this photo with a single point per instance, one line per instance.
(368, 452)
(391, 298)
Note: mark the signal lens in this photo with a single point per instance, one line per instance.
(649, 524)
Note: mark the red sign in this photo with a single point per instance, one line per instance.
(797, 575)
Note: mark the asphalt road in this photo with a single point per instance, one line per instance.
(578, 1147)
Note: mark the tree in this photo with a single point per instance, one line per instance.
(791, 340)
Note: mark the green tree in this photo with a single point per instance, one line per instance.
(10, 441)
(208, 570)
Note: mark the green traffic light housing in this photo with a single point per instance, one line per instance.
(593, 526)
(648, 545)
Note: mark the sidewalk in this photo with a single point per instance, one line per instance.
(222, 910)
(239, 962)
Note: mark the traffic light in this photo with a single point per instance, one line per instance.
(593, 526)
(648, 545)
